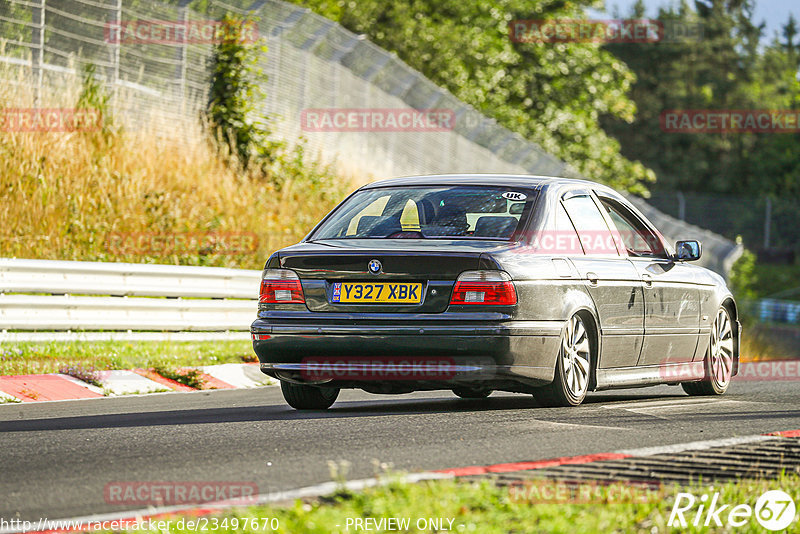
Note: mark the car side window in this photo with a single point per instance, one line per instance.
(565, 238)
(639, 240)
(595, 236)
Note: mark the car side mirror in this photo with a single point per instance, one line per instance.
(689, 250)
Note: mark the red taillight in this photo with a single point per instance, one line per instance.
(484, 287)
(281, 286)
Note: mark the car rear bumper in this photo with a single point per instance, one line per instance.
(420, 354)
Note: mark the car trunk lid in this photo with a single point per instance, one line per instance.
(430, 265)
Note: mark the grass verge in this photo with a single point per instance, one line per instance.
(127, 195)
(483, 507)
(52, 357)
(757, 346)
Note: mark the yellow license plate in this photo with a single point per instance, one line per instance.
(377, 292)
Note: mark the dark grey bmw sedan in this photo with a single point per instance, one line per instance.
(473, 283)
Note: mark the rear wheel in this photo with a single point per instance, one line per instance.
(303, 397)
(472, 393)
(573, 367)
(718, 362)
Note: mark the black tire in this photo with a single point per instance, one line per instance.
(696, 389)
(302, 397)
(472, 393)
(718, 361)
(559, 392)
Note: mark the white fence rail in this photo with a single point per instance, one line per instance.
(42, 299)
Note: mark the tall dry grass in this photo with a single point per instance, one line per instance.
(68, 195)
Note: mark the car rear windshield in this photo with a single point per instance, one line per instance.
(463, 212)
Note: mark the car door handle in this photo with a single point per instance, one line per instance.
(648, 280)
(592, 278)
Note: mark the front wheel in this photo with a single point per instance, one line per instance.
(573, 367)
(303, 397)
(718, 362)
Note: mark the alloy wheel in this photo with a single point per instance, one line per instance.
(575, 357)
(721, 349)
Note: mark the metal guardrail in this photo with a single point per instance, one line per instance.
(41, 297)
(44, 300)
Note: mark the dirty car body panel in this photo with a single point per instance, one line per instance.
(432, 238)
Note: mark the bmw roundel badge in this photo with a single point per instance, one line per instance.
(375, 267)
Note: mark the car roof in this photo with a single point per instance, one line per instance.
(513, 180)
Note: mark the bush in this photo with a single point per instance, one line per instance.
(743, 276)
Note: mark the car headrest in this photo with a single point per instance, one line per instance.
(452, 216)
(488, 226)
(378, 226)
(367, 222)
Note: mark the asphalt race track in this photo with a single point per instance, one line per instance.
(57, 457)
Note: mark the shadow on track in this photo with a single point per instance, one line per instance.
(349, 409)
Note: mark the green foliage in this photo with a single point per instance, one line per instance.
(10, 29)
(742, 278)
(93, 97)
(188, 377)
(234, 92)
(240, 132)
(553, 94)
(292, 164)
(729, 67)
(778, 280)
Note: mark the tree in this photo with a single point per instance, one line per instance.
(552, 94)
(233, 96)
(729, 68)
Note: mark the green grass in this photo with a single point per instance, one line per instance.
(187, 377)
(482, 507)
(50, 357)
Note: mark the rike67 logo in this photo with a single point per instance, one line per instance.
(774, 510)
